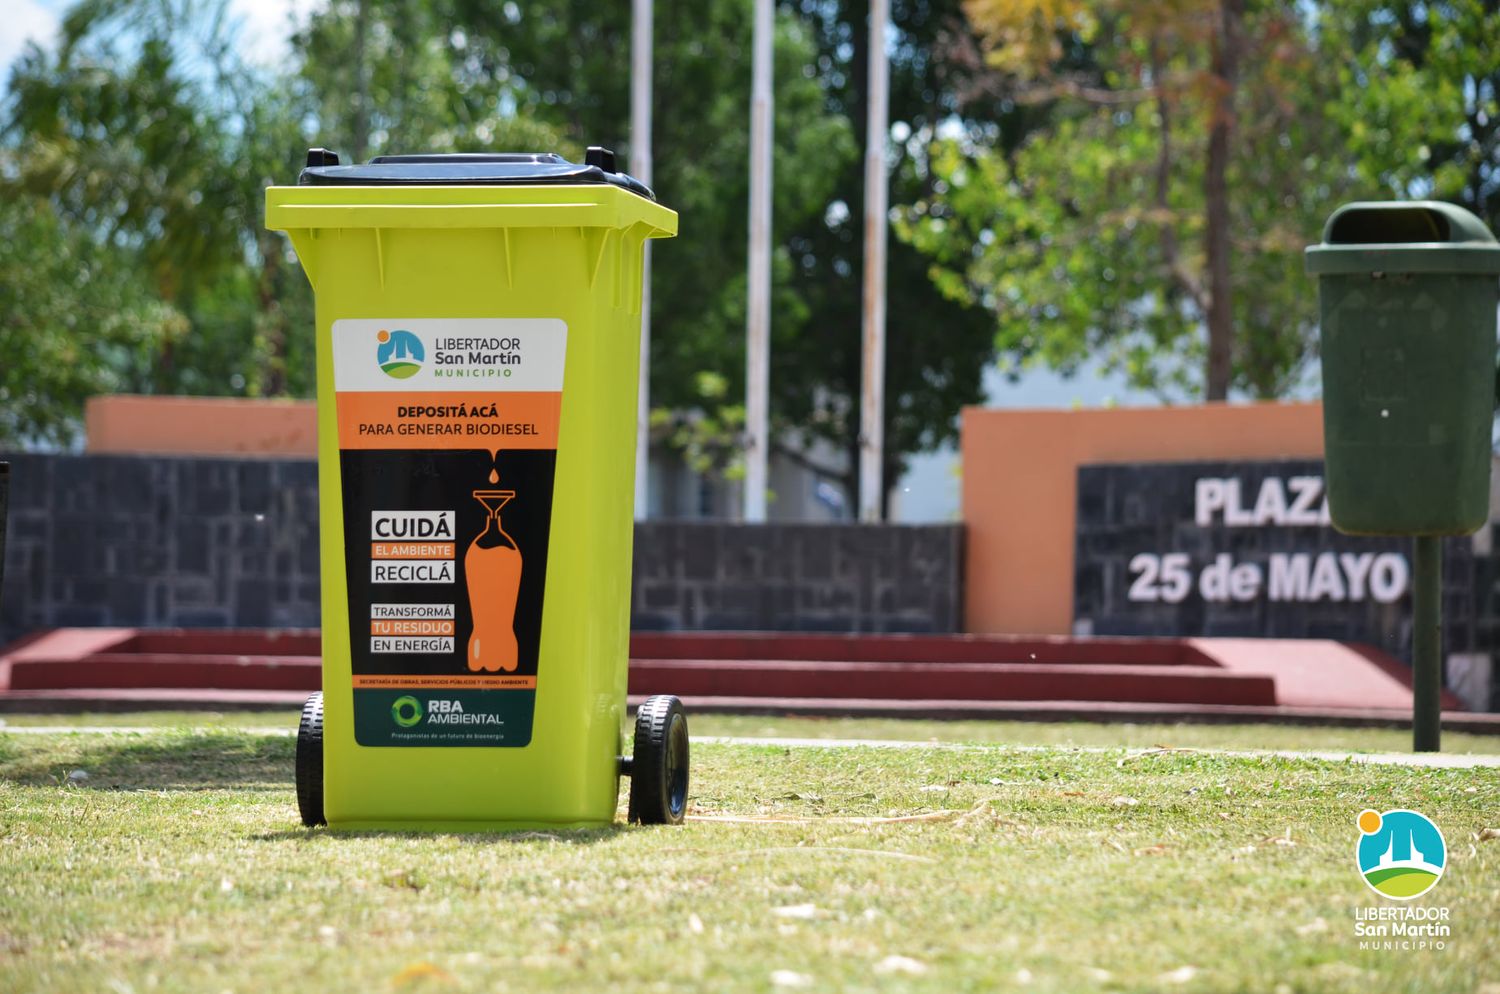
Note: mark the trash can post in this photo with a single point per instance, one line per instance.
(1427, 644)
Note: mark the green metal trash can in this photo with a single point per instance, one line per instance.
(1408, 293)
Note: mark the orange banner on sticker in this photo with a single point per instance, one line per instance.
(475, 682)
(411, 550)
(411, 628)
(449, 420)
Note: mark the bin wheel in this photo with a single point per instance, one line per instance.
(659, 768)
(310, 762)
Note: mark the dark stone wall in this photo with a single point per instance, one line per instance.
(191, 542)
(803, 578)
(124, 540)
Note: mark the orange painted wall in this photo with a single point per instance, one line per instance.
(1020, 475)
(212, 426)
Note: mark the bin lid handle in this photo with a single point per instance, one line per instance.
(1426, 222)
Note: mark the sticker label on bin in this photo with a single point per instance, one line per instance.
(447, 452)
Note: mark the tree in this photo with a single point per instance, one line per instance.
(1191, 150)
(1419, 97)
(938, 345)
(392, 76)
(1188, 158)
(73, 323)
(145, 133)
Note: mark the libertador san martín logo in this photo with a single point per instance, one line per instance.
(406, 711)
(400, 353)
(1400, 853)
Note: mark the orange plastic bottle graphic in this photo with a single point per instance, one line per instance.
(492, 568)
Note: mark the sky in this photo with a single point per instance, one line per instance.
(26, 20)
(264, 25)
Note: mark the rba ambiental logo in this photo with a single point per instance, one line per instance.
(408, 712)
(400, 353)
(1400, 853)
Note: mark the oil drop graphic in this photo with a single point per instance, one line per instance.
(492, 568)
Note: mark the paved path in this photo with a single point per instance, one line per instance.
(1443, 761)
(1448, 761)
(137, 729)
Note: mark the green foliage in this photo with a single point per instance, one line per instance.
(73, 323)
(1419, 97)
(419, 76)
(1086, 239)
(151, 145)
(937, 347)
(147, 133)
(706, 434)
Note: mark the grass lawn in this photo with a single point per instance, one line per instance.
(178, 865)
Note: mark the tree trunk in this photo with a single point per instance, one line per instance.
(890, 475)
(1171, 258)
(849, 480)
(1226, 58)
(273, 320)
(858, 14)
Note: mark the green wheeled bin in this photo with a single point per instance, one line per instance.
(1408, 292)
(478, 343)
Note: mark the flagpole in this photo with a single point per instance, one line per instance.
(640, 168)
(758, 306)
(872, 397)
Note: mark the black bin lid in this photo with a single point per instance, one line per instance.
(470, 169)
